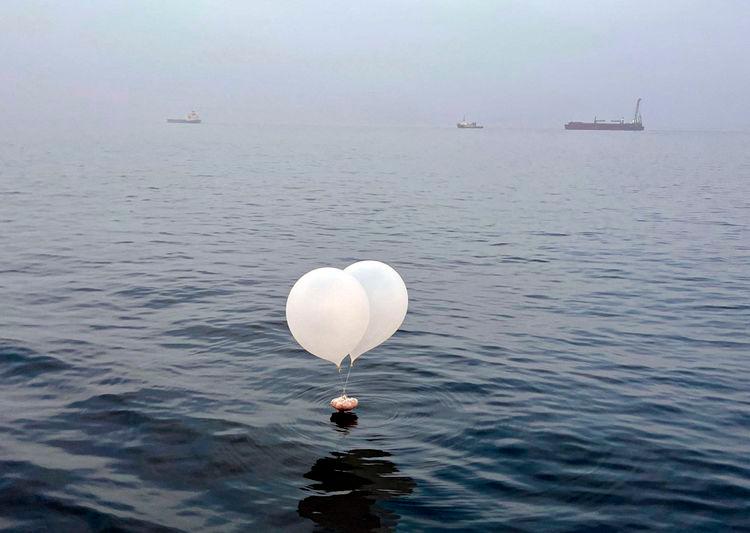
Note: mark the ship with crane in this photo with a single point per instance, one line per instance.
(611, 125)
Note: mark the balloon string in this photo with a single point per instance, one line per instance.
(351, 363)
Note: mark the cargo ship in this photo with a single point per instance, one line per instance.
(611, 125)
(464, 124)
(191, 118)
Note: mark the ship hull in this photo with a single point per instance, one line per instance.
(604, 126)
(183, 121)
(470, 127)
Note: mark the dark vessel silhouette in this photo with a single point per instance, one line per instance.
(612, 125)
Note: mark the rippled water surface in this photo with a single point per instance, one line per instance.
(576, 354)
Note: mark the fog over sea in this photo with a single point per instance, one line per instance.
(576, 354)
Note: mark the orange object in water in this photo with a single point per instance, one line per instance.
(344, 403)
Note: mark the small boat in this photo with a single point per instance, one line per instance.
(191, 118)
(464, 124)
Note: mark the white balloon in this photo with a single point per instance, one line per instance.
(327, 312)
(388, 299)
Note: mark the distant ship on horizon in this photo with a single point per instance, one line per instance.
(612, 125)
(191, 118)
(464, 124)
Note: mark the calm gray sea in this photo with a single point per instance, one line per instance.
(576, 355)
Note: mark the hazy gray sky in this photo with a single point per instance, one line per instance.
(516, 63)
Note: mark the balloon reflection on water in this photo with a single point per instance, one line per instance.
(349, 488)
(344, 420)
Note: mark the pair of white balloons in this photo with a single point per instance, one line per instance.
(333, 313)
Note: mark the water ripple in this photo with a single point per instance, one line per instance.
(574, 358)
